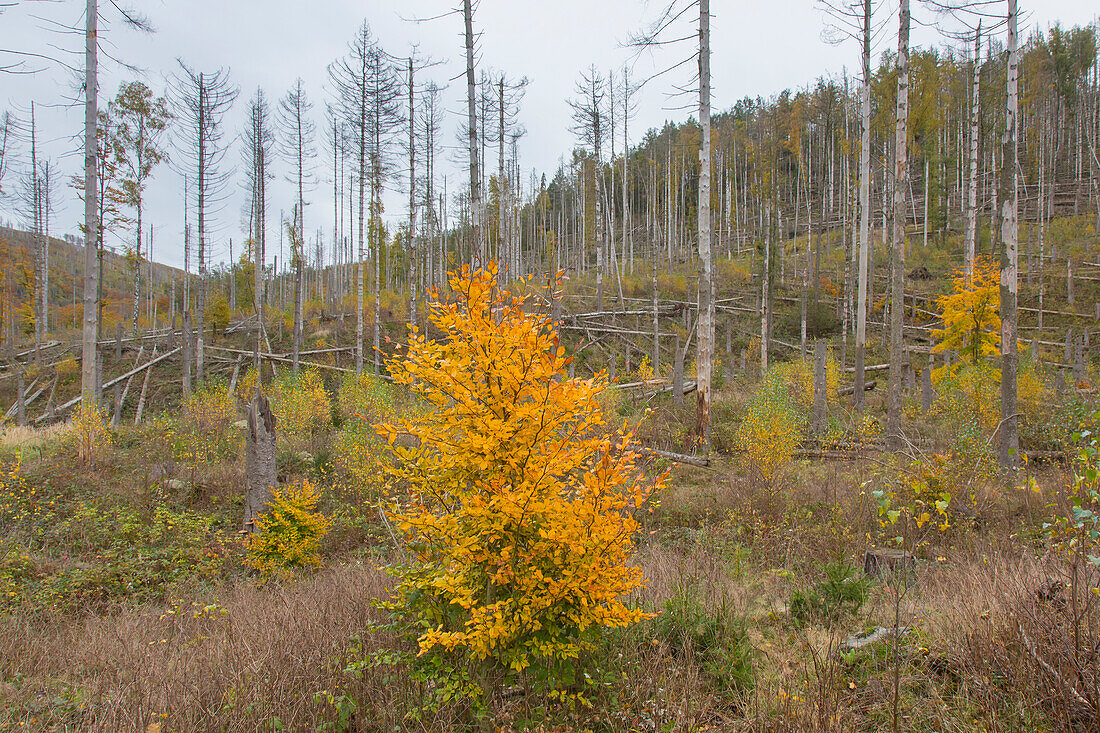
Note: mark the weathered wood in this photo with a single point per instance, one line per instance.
(259, 459)
(881, 561)
(286, 360)
(144, 391)
(74, 401)
(187, 335)
(867, 387)
(122, 398)
(820, 385)
(677, 457)
(926, 389)
(236, 374)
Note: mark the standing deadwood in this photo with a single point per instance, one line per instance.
(412, 195)
(384, 91)
(88, 372)
(259, 142)
(203, 100)
(1079, 359)
(471, 125)
(705, 342)
(926, 389)
(140, 121)
(187, 332)
(864, 207)
(259, 461)
(820, 387)
(897, 252)
(297, 144)
(349, 76)
(1010, 438)
(971, 233)
(297, 256)
(678, 373)
(590, 129)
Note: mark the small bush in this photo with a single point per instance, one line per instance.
(301, 406)
(90, 434)
(842, 591)
(713, 638)
(289, 536)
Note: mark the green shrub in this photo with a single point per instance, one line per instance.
(713, 638)
(841, 592)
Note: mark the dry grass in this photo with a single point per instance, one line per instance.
(228, 659)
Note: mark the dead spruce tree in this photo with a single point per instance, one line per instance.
(897, 250)
(201, 101)
(297, 144)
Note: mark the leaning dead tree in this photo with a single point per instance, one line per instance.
(201, 101)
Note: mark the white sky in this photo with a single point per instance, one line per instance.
(759, 49)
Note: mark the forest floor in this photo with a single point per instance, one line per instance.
(127, 602)
(128, 606)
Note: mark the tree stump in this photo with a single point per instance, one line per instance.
(259, 461)
(883, 561)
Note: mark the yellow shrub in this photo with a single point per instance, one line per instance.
(365, 397)
(797, 376)
(301, 406)
(288, 537)
(770, 431)
(89, 433)
(246, 386)
(204, 434)
(521, 507)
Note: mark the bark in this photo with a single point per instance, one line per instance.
(897, 254)
(88, 372)
(471, 122)
(970, 235)
(259, 460)
(705, 342)
(864, 207)
(1009, 430)
(820, 385)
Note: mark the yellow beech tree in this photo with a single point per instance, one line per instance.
(971, 313)
(520, 503)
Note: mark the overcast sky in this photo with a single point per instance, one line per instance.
(759, 49)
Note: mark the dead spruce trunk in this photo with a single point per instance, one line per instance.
(259, 461)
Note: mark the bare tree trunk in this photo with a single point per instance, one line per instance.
(412, 199)
(88, 381)
(897, 254)
(471, 121)
(864, 207)
(705, 342)
(820, 386)
(970, 236)
(1010, 441)
(259, 461)
(187, 332)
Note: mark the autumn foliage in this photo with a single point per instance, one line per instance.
(971, 313)
(520, 503)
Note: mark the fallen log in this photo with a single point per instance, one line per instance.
(74, 401)
(867, 387)
(678, 457)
